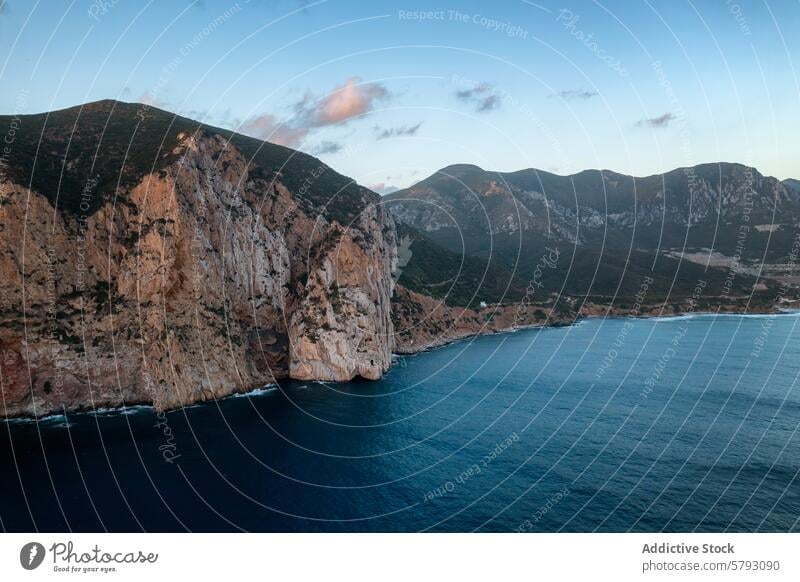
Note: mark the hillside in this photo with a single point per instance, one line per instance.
(453, 277)
(611, 229)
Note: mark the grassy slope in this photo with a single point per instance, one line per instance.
(458, 279)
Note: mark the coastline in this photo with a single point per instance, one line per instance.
(646, 312)
(132, 408)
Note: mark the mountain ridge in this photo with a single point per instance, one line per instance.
(458, 166)
(599, 216)
(132, 140)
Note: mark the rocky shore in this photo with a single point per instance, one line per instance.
(442, 325)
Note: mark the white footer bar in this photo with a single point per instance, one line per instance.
(401, 557)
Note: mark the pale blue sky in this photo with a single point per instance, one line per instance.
(637, 87)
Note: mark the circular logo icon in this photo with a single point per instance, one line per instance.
(31, 555)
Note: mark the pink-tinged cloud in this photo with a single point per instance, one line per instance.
(345, 102)
(269, 128)
(382, 188)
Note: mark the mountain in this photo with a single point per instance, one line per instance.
(610, 229)
(793, 185)
(145, 257)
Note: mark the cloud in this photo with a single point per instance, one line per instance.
(482, 96)
(489, 103)
(573, 94)
(270, 128)
(660, 121)
(327, 147)
(347, 101)
(3, 7)
(396, 131)
(382, 188)
(147, 98)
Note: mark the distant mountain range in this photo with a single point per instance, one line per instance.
(611, 229)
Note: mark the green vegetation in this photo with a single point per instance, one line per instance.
(510, 220)
(459, 280)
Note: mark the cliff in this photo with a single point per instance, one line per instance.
(212, 264)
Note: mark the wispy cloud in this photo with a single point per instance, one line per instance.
(401, 130)
(660, 121)
(148, 98)
(382, 188)
(270, 128)
(482, 97)
(574, 94)
(347, 101)
(327, 148)
(3, 7)
(489, 103)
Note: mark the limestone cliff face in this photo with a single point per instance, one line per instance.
(342, 327)
(206, 277)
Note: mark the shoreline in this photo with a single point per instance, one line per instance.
(613, 314)
(133, 408)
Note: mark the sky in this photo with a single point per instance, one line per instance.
(390, 92)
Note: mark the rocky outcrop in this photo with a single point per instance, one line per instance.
(208, 276)
(422, 322)
(342, 328)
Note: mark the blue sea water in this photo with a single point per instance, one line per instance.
(678, 424)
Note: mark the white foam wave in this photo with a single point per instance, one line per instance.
(683, 316)
(256, 392)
